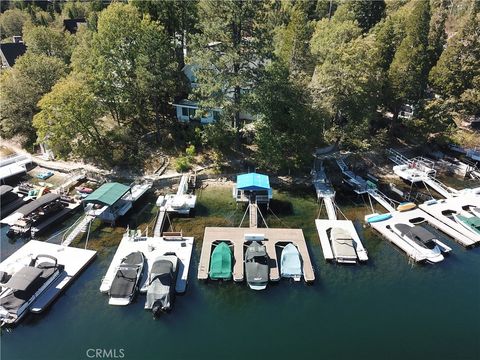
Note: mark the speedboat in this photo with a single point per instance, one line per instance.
(221, 262)
(290, 263)
(161, 284)
(22, 288)
(422, 240)
(343, 246)
(469, 222)
(256, 266)
(125, 284)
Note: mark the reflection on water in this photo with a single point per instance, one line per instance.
(385, 309)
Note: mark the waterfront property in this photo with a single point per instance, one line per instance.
(255, 189)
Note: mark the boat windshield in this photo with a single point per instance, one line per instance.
(261, 260)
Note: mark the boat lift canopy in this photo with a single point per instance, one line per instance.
(107, 194)
(253, 182)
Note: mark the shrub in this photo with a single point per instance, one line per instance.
(182, 164)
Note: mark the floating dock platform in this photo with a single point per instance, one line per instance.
(237, 237)
(73, 259)
(152, 247)
(440, 209)
(324, 225)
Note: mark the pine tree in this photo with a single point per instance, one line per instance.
(230, 53)
(407, 75)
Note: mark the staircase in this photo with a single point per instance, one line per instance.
(77, 228)
(253, 214)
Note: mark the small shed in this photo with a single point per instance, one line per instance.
(252, 185)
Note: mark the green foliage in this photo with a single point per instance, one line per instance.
(458, 65)
(190, 151)
(365, 12)
(230, 52)
(408, 71)
(48, 41)
(182, 164)
(11, 22)
(68, 118)
(21, 89)
(288, 129)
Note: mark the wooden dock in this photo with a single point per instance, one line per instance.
(236, 236)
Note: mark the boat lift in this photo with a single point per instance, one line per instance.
(340, 249)
(386, 224)
(456, 202)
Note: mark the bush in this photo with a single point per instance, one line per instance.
(183, 164)
(190, 151)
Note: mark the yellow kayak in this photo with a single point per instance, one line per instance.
(406, 206)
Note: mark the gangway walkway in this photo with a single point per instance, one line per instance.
(80, 226)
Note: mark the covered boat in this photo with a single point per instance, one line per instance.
(343, 246)
(221, 262)
(22, 288)
(471, 223)
(161, 284)
(256, 266)
(125, 284)
(290, 263)
(421, 240)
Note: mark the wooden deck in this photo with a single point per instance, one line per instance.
(236, 236)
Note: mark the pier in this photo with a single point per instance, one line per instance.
(73, 259)
(152, 247)
(349, 247)
(238, 237)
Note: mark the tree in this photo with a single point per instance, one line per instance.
(437, 36)
(11, 22)
(292, 42)
(22, 87)
(49, 41)
(178, 18)
(288, 128)
(365, 12)
(347, 84)
(68, 120)
(407, 75)
(230, 52)
(130, 66)
(458, 64)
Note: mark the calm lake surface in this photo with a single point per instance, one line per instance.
(385, 309)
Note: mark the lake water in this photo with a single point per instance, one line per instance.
(385, 309)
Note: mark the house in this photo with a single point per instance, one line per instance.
(189, 110)
(9, 52)
(72, 25)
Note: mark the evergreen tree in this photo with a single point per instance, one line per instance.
(407, 75)
(366, 12)
(230, 53)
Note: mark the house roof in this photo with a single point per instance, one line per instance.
(107, 194)
(11, 51)
(253, 181)
(71, 25)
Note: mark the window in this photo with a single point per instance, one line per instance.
(184, 111)
(188, 112)
(216, 115)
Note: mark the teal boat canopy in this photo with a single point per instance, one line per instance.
(221, 262)
(107, 194)
(253, 182)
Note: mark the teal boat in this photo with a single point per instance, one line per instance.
(378, 218)
(221, 262)
(471, 223)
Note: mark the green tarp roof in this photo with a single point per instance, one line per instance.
(107, 194)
